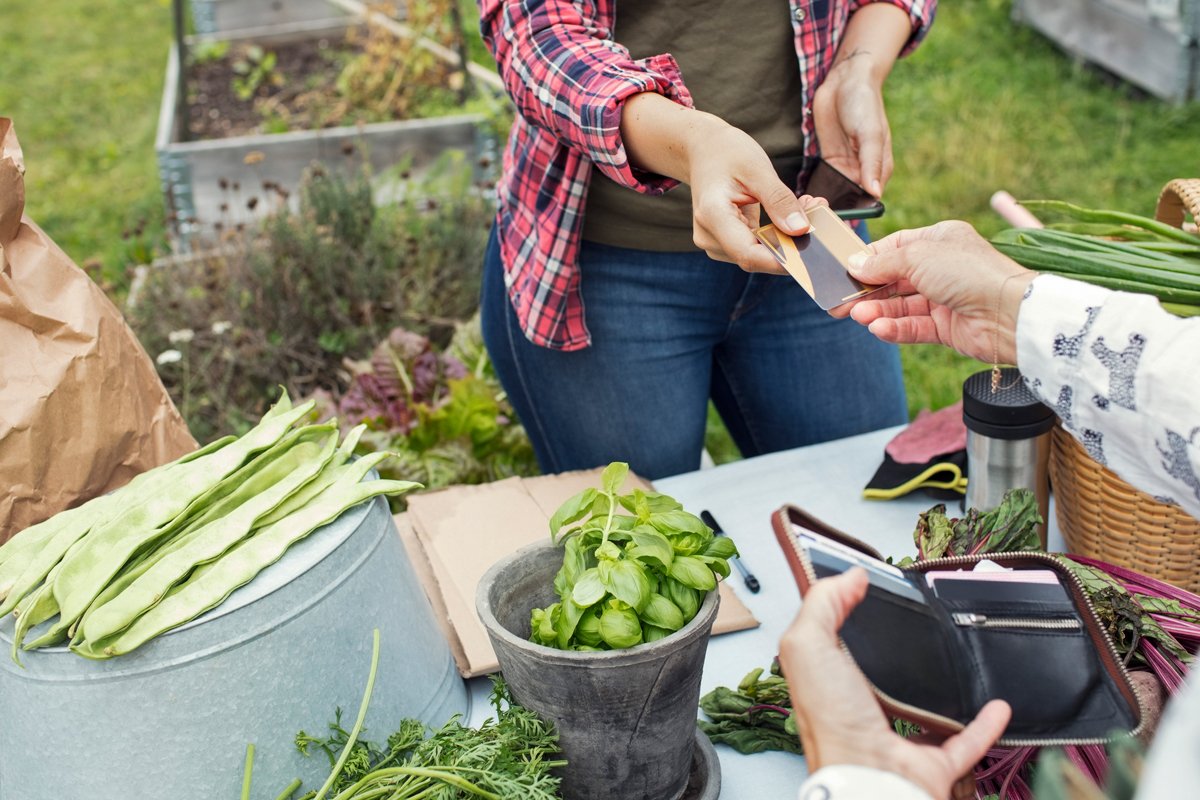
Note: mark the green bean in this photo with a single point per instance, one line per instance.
(241, 564)
(286, 475)
(246, 483)
(108, 549)
(36, 608)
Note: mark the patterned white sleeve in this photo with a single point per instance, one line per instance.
(1122, 374)
(853, 782)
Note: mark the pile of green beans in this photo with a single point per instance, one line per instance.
(1114, 250)
(176, 541)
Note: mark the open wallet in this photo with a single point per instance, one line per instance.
(938, 639)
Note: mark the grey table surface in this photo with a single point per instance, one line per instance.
(827, 481)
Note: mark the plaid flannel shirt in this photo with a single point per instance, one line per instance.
(569, 79)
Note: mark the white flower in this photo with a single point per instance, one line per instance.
(181, 336)
(222, 327)
(169, 357)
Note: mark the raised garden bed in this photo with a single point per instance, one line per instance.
(303, 93)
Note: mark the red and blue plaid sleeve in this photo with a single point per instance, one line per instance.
(567, 77)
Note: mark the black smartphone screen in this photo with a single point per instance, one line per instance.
(846, 198)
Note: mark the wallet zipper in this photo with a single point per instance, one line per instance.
(1081, 592)
(970, 620)
(1003, 741)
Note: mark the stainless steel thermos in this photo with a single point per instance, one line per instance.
(1008, 441)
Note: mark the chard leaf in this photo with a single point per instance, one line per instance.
(933, 533)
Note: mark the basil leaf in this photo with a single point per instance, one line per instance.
(656, 503)
(690, 571)
(680, 521)
(613, 476)
(652, 633)
(628, 583)
(620, 628)
(587, 632)
(721, 547)
(569, 616)
(649, 543)
(573, 510)
(717, 565)
(589, 589)
(688, 544)
(543, 624)
(574, 560)
(685, 597)
(661, 612)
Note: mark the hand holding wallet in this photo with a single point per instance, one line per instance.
(937, 641)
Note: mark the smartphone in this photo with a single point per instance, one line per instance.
(847, 199)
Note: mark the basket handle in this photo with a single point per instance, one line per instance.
(1178, 196)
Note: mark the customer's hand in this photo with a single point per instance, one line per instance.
(951, 288)
(839, 719)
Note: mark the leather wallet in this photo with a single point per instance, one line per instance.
(935, 657)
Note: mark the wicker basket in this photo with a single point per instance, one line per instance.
(1104, 517)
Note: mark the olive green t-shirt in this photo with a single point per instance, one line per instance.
(738, 59)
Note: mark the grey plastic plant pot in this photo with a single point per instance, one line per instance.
(173, 718)
(626, 718)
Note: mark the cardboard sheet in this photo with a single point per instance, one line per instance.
(82, 409)
(454, 535)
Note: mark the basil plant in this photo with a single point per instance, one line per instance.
(636, 568)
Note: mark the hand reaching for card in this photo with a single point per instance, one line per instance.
(952, 288)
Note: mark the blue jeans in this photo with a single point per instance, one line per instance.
(669, 330)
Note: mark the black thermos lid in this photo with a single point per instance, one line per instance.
(1011, 412)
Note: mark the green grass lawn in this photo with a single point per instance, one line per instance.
(82, 83)
(983, 105)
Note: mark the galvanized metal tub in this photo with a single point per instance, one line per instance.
(172, 719)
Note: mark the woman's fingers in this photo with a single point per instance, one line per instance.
(965, 749)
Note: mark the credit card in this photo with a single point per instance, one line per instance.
(832, 558)
(817, 260)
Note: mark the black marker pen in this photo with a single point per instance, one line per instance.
(747, 577)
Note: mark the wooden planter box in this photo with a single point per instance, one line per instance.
(213, 17)
(1153, 44)
(192, 173)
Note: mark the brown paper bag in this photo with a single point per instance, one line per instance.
(82, 409)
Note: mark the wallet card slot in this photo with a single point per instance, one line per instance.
(1049, 677)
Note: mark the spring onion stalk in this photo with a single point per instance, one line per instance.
(1110, 217)
(352, 739)
(290, 790)
(246, 773)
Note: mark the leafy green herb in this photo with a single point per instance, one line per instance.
(508, 758)
(627, 578)
(755, 718)
(1127, 615)
(1009, 527)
